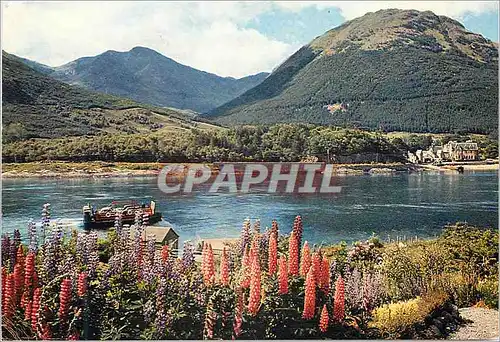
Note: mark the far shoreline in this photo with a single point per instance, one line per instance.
(68, 170)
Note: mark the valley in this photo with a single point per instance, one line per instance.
(143, 187)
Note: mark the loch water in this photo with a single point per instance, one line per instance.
(401, 204)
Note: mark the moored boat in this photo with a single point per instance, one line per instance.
(104, 217)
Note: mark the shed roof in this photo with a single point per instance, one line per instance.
(467, 146)
(159, 232)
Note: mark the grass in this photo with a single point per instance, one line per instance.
(37, 106)
(62, 167)
(66, 167)
(81, 168)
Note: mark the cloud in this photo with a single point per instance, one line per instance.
(209, 36)
(205, 36)
(353, 9)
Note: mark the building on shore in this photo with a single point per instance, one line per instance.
(163, 236)
(422, 156)
(450, 152)
(455, 151)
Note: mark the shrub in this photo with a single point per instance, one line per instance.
(366, 255)
(393, 319)
(403, 277)
(338, 255)
(133, 292)
(396, 319)
(471, 245)
(488, 291)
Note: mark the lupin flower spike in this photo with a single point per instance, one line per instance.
(339, 300)
(224, 268)
(283, 276)
(310, 296)
(323, 321)
(305, 260)
(273, 253)
(293, 255)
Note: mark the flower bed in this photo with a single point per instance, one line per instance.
(72, 285)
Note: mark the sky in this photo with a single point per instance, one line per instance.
(223, 37)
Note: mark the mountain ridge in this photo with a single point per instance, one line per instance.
(370, 72)
(38, 106)
(147, 76)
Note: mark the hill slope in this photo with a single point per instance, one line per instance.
(393, 69)
(145, 75)
(37, 106)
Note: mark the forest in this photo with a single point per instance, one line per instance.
(399, 89)
(280, 142)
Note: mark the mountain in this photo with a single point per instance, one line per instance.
(41, 68)
(147, 76)
(37, 106)
(392, 70)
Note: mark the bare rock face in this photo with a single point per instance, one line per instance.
(389, 29)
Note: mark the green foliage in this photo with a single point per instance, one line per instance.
(425, 80)
(488, 291)
(460, 286)
(338, 254)
(418, 142)
(395, 320)
(134, 294)
(488, 145)
(105, 246)
(468, 263)
(51, 298)
(220, 312)
(472, 246)
(281, 142)
(403, 275)
(366, 256)
(462, 261)
(35, 105)
(14, 132)
(122, 314)
(282, 313)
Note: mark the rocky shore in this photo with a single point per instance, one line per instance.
(103, 170)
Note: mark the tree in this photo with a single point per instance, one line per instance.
(14, 132)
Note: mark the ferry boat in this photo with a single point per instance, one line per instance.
(104, 217)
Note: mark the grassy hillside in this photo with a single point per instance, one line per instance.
(391, 70)
(37, 106)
